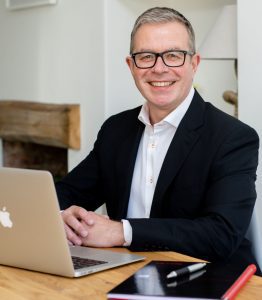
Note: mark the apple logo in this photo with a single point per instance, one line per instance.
(5, 218)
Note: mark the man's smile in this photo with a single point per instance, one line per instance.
(161, 83)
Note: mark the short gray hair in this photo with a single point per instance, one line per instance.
(163, 15)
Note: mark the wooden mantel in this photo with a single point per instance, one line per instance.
(55, 125)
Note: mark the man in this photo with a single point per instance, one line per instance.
(176, 174)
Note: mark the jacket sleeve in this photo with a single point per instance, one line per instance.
(82, 185)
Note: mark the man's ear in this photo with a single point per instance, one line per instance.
(130, 63)
(195, 62)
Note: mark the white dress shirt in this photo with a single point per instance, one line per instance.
(151, 153)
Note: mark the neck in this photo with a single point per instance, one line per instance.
(157, 115)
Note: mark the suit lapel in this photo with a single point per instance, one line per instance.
(127, 157)
(184, 140)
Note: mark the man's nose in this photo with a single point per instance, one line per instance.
(160, 65)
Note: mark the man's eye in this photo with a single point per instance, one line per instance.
(172, 56)
(147, 57)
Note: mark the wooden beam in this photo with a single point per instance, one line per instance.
(55, 125)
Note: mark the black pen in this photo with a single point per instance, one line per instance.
(186, 270)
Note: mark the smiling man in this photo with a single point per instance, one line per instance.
(175, 174)
(164, 71)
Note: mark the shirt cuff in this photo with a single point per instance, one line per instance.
(127, 233)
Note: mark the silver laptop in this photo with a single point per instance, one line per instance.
(32, 234)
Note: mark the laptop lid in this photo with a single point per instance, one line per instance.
(32, 234)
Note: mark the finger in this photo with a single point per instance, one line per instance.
(76, 227)
(72, 237)
(70, 243)
(80, 212)
(88, 222)
(83, 215)
(87, 216)
(91, 218)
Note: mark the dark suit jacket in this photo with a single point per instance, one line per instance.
(205, 193)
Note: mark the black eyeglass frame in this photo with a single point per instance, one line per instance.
(160, 54)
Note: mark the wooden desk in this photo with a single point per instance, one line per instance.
(17, 284)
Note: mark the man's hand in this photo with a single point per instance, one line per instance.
(75, 228)
(103, 232)
(90, 229)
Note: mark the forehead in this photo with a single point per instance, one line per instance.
(161, 37)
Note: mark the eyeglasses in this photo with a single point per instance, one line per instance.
(174, 58)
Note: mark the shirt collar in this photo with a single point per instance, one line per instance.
(175, 117)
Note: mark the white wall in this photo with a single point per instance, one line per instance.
(249, 82)
(56, 54)
(212, 79)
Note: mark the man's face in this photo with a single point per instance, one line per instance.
(163, 87)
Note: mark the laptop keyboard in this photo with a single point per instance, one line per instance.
(80, 262)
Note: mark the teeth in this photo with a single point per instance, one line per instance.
(161, 83)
